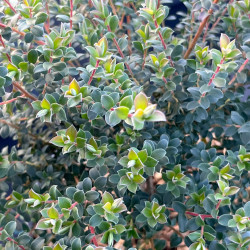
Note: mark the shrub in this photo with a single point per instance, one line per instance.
(124, 128)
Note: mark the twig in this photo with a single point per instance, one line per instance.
(122, 56)
(10, 101)
(205, 33)
(112, 7)
(15, 242)
(165, 80)
(47, 25)
(92, 230)
(12, 8)
(218, 205)
(3, 44)
(216, 72)
(203, 216)
(240, 69)
(163, 43)
(198, 33)
(93, 72)
(46, 84)
(20, 33)
(72, 206)
(71, 13)
(24, 91)
(144, 58)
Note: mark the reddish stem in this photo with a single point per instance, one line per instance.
(12, 8)
(144, 58)
(72, 206)
(47, 25)
(203, 216)
(71, 15)
(198, 33)
(92, 230)
(93, 72)
(218, 205)
(20, 33)
(240, 69)
(19, 87)
(46, 84)
(3, 44)
(160, 35)
(216, 72)
(10, 101)
(15, 242)
(120, 52)
(163, 43)
(165, 80)
(158, 4)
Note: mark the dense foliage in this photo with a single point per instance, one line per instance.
(124, 128)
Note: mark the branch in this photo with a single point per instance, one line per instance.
(92, 230)
(240, 69)
(10, 101)
(3, 44)
(163, 43)
(71, 14)
(198, 33)
(203, 216)
(15, 242)
(93, 72)
(27, 94)
(72, 206)
(216, 72)
(20, 33)
(112, 7)
(12, 8)
(122, 56)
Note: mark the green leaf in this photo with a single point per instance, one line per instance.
(57, 141)
(41, 17)
(151, 162)
(122, 112)
(158, 153)
(10, 227)
(59, 66)
(107, 197)
(177, 51)
(232, 191)
(224, 41)
(113, 118)
(64, 202)
(219, 82)
(73, 101)
(53, 213)
(76, 244)
(71, 133)
(224, 219)
(113, 23)
(32, 56)
(127, 101)
(95, 220)
(23, 66)
(79, 196)
(141, 101)
(194, 236)
(138, 45)
(247, 209)
(107, 102)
